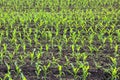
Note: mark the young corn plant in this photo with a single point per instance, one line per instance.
(5, 47)
(22, 58)
(11, 22)
(60, 50)
(24, 47)
(50, 35)
(38, 69)
(82, 41)
(51, 39)
(114, 73)
(45, 70)
(57, 29)
(91, 38)
(111, 41)
(66, 39)
(104, 40)
(44, 35)
(23, 77)
(11, 56)
(67, 60)
(55, 61)
(100, 37)
(78, 47)
(17, 48)
(78, 56)
(35, 39)
(14, 36)
(36, 18)
(84, 56)
(38, 55)
(118, 34)
(75, 71)
(17, 68)
(22, 20)
(52, 42)
(1, 37)
(1, 57)
(41, 49)
(74, 38)
(8, 66)
(83, 65)
(30, 31)
(7, 33)
(73, 49)
(32, 57)
(116, 48)
(8, 74)
(97, 64)
(47, 47)
(85, 69)
(29, 40)
(113, 70)
(91, 48)
(60, 67)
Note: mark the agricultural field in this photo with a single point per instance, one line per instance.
(59, 39)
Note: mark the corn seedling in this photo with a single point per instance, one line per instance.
(38, 70)
(75, 71)
(17, 68)
(85, 71)
(47, 47)
(23, 77)
(24, 47)
(32, 56)
(111, 41)
(60, 50)
(60, 67)
(17, 48)
(11, 56)
(73, 49)
(78, 47)
(5, 47)
(21, 59)
(45, 70)
(67, 60)
(39, 55)
(113, 70)
(35, 39)
(116, 48)
(54, 61)
(8, 76)
(1, 37)
(1, 57)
